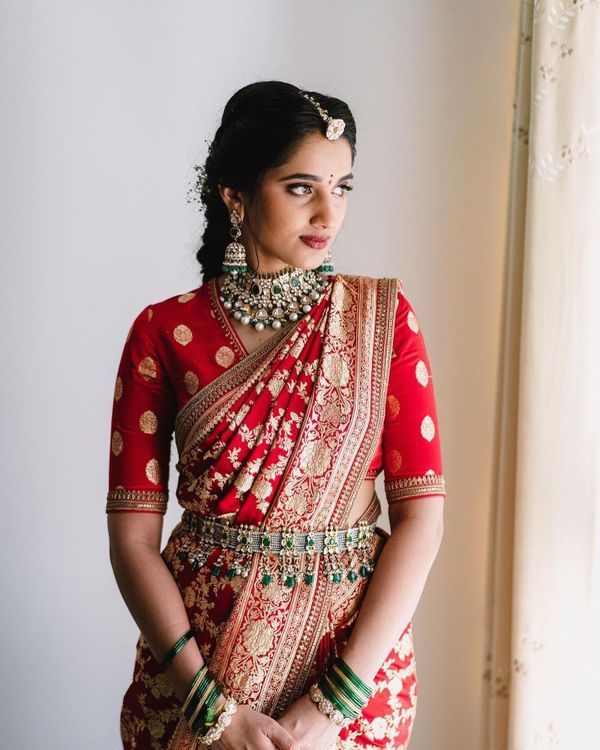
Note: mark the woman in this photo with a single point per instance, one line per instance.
(288, 389)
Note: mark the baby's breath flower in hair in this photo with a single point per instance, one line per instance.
(199, 189)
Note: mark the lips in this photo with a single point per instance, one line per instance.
(315, 241)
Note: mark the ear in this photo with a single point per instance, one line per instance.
(232, 199)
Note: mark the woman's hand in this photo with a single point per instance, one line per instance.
(251, 730)
(309, 726)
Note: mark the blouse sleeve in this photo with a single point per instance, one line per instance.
(143, 418)
(411, 452)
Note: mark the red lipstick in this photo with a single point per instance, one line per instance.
(316, 241)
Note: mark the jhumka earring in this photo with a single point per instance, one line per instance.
(234, 261)
(327, 264)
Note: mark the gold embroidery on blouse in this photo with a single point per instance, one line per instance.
(421, 373)
(150, 313)
(191, 382)
(118, 388)
(149, 500)
(186, 297)
(153, 471)
(224, 356)
(427, 484)
(412, 322)
(148, 422)
(147, 368)
(117, 442)
(395, 461)
(393, 406)
(182, 334)
(428, 428)
(372, 473)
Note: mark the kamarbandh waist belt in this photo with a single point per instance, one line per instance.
(281, 551)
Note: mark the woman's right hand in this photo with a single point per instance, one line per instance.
(251, 730)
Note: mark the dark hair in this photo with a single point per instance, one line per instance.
(262, 124)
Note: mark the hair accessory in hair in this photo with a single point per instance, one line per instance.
(335, 125)
(199, 189)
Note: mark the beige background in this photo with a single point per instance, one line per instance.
(105, 109)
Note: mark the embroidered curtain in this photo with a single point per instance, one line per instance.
(543, 654)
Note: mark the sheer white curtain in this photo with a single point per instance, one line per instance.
(543, 674)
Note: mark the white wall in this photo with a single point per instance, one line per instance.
(105, 108)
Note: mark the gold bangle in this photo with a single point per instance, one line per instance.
(339, 695)
(197, 680)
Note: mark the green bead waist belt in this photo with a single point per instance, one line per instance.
(282, 549)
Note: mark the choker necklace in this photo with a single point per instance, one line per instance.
(272, 299)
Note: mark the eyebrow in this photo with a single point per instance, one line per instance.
(316, 178)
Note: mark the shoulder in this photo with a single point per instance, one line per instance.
(166, 313)
(176, 303)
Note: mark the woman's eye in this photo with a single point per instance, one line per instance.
(292, 188)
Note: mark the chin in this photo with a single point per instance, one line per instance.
(310, 260)
(308, 264)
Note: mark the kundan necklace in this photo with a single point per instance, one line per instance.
(272, 299)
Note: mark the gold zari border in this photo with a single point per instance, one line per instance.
(401, 489)
(153, 501)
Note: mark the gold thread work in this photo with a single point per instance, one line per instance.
(401, 489)
(153, 501)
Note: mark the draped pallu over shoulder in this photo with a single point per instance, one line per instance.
(299, 421)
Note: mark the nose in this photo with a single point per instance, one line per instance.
(324, 213)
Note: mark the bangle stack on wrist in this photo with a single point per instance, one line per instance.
(340, 693)
(206, 721)
(198, 708)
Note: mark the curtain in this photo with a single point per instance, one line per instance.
(542, 677)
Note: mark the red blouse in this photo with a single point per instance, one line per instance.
(177, 346)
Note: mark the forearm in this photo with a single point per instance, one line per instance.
(392, 596)
(153, 598)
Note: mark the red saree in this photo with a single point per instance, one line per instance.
(279, 438)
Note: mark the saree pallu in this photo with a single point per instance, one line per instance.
(282, 439)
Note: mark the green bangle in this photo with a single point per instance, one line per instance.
(346, 685)
(191, 692)
(353, 677)
(335, 701)
(356, 700)
(175, 649)
(201, 722)
(198, 693)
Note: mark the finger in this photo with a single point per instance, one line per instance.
(281, 738)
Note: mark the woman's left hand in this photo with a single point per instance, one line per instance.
(307, 724)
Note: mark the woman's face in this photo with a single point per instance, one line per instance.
(305, 197)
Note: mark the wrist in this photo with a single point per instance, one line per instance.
(330, 713)
(317, 716)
